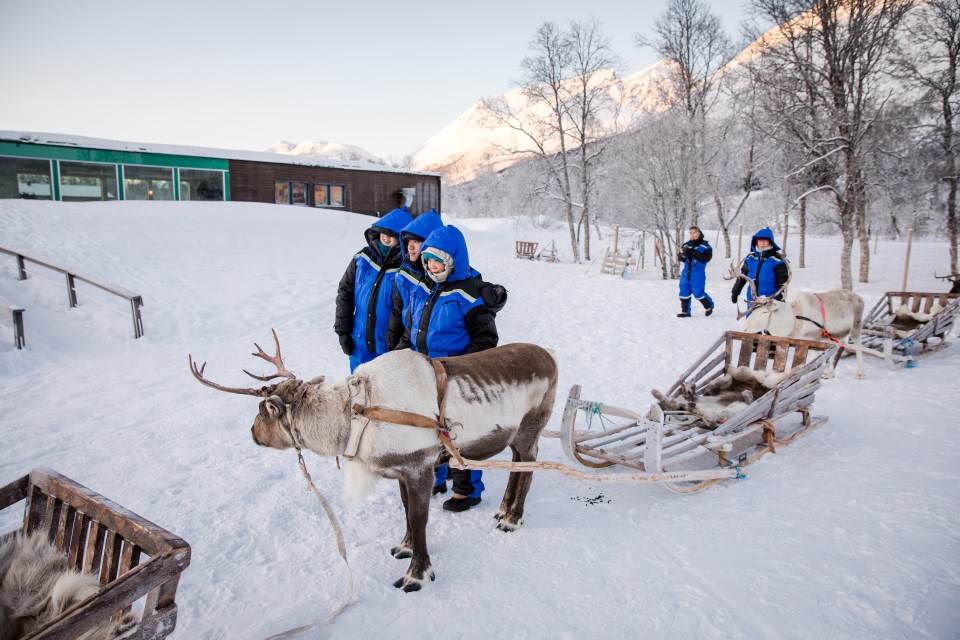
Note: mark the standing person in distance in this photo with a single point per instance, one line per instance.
(364, 294)
(694, 254)
(764, 265)
(451, 320)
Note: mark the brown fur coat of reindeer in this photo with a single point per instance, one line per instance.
(494, 399)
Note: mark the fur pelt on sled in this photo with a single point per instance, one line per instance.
(37, 585)
(723, 398)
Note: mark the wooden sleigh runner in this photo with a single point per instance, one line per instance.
(905, 325)
(137, 562)
(689, 451)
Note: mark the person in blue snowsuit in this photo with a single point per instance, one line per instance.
(364, 295)
(764, 266)
(694, 254)
(411, 279)
(451, 320)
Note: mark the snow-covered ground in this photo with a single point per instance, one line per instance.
(851, 532)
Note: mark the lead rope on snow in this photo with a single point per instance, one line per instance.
(341, 547)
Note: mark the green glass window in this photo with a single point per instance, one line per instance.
(83, 181)
(196, 184)
(25, 178)
(147, 183)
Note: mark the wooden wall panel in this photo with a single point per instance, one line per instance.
(370, 192)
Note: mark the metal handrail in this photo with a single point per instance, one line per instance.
(136, 301)
(16, 317)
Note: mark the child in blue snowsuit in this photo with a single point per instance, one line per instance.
(764, 266)
(451, 320)
(364, 295)
(410, 279)
(694, 254)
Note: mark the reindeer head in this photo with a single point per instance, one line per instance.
(272, 425)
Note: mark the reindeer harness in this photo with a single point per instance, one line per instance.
(407, 418)
(823, 315)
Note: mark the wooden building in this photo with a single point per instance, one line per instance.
(72, 168)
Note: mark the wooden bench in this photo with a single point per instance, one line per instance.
(133, 557)
(526, 249)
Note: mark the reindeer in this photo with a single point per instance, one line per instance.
(486, 401)
(952, 277)
(723, 398)
(831, 315)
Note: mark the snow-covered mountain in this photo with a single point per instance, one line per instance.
(466, 146)
(323, 149)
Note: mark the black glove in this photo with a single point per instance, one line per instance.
(733, 298)
(346, 343)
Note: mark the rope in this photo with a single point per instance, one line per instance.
(593, 409)
(341, 547)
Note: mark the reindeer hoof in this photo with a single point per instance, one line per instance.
(400, 552)
(508, 525)
(409, 584)
(499, 515)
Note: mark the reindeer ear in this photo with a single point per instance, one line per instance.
(272, 407)
(317, 380)
(355, 382)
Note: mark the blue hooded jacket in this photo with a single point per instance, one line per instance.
(451, 319)
(695, 254)
(364, 295)
(410, 279)
(766, 268)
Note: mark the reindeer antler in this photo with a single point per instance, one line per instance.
(262, 392)
(951, 277)
(198, 374)
(276, 360)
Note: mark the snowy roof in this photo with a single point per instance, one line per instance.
(65, 140)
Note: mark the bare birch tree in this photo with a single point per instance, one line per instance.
(567, 86)
(692, 39)
(929, 57)
(835, 49)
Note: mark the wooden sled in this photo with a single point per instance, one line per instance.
(680, 449)
(133, 557)
(527, 250)
(902, 324)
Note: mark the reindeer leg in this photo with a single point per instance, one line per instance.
(525, 447)
(417, 506)
(510, 513)
(405, 548)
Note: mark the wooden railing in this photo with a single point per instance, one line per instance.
(136, 301)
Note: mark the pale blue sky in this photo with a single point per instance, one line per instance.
(384, 76)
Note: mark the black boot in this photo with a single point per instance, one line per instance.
(684, 308)
(707, 307)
